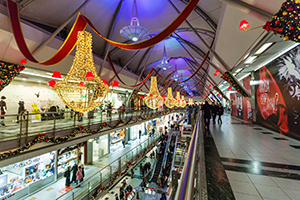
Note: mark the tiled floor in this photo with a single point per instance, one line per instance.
(257, 163)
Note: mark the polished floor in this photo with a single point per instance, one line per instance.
(247, 161)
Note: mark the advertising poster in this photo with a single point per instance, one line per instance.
(233, 104)
(278, 93)
(246, 103)
(239, 105)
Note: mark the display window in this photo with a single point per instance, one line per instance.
(116, 140)
(100, 147)
(68, 157)
(22, 174)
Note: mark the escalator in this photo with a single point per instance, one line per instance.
(159, 163)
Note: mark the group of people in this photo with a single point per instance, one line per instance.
(124, 191)
(213, 111)
(144, 169)
(78, 174)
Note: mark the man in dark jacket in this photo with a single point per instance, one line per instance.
(74, 170)
(206, 108)
(67, 175)
(220, 113)
(214, 110)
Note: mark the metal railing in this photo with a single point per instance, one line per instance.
(186, 188)
(106, 174)
(56, 123)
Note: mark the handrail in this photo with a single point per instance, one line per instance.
(186, 186)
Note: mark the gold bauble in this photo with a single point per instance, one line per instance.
(284, 13)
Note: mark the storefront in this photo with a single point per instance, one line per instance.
(25, 177)
(134, 131)
(116, 139)
(68, 157)
(100, 147)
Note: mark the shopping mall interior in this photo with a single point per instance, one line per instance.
(149, 99)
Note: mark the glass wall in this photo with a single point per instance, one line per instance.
(116, 139)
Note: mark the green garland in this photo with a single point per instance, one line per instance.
(8, 72)
(80, 129)
(232, 81)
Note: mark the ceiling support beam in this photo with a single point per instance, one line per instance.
(221, 61)
(259, 13)
(111, 32)
(142, 59)
(128, 62)
(203, 15)
(61, 27)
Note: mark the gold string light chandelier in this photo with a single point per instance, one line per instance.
(182, 103)
(153, 100)
(82, 90)
(177, 100)
(170, 101)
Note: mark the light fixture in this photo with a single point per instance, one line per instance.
(182, 103)
(250, 60)
(170, 101)
(134, 31)
(177, 100)
(238, 70)
(82, 90)
(164, 62)
(263, 48)
(175, 77)
(153, 99)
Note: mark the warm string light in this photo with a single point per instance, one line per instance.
(177, 100)
(182, 103)
(82, 90)
(191, 102)
(170, 101)
(153, 99)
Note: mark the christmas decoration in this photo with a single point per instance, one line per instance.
(169, 101)
(115, 83)
(86, 96)
(286, 21)
(8, 72)
(153, 99)
(244, 25)
(177, 100)
(182, 103)
(227, 76)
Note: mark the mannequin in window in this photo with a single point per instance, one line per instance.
(3, 109)
(21, 109)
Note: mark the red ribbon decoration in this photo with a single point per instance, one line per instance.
(80, 24)
(268, 27)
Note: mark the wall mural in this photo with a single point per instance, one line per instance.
(278, 93)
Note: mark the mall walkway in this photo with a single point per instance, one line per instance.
(56, 189)
(246, 161)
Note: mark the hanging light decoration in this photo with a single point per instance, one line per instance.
(191, 101)
(153, 99)
(175, 77)
(177, 100)
(134, 31)
(244, 25)
(170, 101)
(164, 62)
(82, 90)
(182, 103)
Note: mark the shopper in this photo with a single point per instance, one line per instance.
(67, 175)
(163, 196)
(206, 114)
(123, 142)
(140, 134)
(132, 172)
(214, 110)
(79, 175)
(82, 167)
(117, 198)
(121, 193)
(74, 170)
(3, 109)
(220, 113)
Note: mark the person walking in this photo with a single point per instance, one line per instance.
(220, 113)
(117, 198)
(140, 134)
(74, 170)
(67, 175)
(82, 167)
(132, 172)
(206, 108)
(123, 142)
(214, 110)
(79, 175)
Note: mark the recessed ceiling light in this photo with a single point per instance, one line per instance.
(263, 48)
(250, 60)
